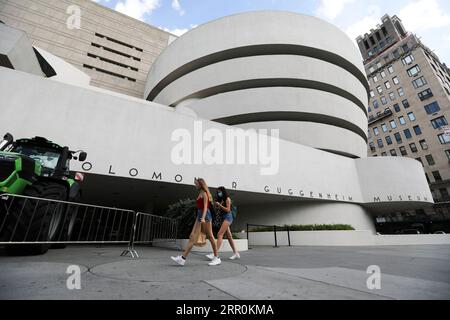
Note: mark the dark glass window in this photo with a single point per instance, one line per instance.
(417, 130)
(407, 133)
(439, 122)
(430, 160)
(425, 94)
(405, 103)
(388, 140)
(432, 108)
(398, 137)
(437, 176)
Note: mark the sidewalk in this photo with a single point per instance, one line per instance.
(413, 272)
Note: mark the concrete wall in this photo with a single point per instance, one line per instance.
(344, 238)
(45, 23)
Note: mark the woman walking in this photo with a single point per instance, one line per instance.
(223, 204)
(204, 201)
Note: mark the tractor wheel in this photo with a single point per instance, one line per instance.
(32, 220)
(66, 227)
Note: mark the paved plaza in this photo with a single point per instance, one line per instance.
(263, 273)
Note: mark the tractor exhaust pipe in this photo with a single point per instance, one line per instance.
(7, 140)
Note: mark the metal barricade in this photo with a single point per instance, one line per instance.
(150, 229)
(28, 221)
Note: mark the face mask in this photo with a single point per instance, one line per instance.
(220, 194)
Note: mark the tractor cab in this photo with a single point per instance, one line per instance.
(24, 161)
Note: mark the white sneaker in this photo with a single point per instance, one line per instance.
(210, 256)
(179, 260)
(235, 256)
(216, 261)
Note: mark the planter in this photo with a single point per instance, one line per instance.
(241, 245)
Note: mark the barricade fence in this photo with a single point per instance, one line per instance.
(30, 221)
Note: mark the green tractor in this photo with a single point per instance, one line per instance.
(36, 168)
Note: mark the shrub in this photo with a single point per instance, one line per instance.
(316, 227)
(184, 211)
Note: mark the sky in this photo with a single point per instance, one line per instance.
(429, 19)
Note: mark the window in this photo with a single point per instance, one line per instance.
(372, 146)
(392, 96)
(411, 116)
(402, 120)
(395, 80)
(370, 109)
(423, 144)
(443, 138)
(391, 69)
(414, 71)
(376, 105)
(405, 103)
(384, 100)
(387, 84)
(393, 153)
(405, 48)
(398, 137)
(439, 122)
(432, 108)
(419, 82)
(407, 133)
(447, 153)
(425, 94)
(393, 124)
(444, 194)
(417, 130)
(397, 107)
(372, 94)
(403, 151)
(408, 59)
(380, 90)
(383, 74)
(384, 127)
(376, 131)
(384, 154)
(430, 160)
(375, 79)
(388, 140)
(437, 176)
(400, 91)
(380, 143)
(413, 147)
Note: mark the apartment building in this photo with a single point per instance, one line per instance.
(115, 50)
(409, 106)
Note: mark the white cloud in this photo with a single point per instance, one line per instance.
(331, 9)
(177, 7)
(137, 8)
(420, 15)
(364, 25)
(179, 32)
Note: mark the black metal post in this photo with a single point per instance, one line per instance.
(289, 236)
(275, 234)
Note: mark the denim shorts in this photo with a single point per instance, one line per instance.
(228, 217)
(208, 216)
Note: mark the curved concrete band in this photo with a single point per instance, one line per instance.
(251, 34)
